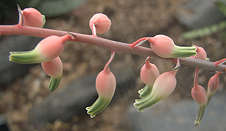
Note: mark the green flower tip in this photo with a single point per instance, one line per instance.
(200, 115)
(143, 103)
(98, 106)
(145, 91)
(180, 51)
(25, 57)
(54, 83)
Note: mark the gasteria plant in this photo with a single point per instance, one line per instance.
(157, 87)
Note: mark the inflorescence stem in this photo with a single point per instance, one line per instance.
(105, 43)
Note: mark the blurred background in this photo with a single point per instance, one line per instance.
(26, 103)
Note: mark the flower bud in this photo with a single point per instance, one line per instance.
(200, 53)
(99, 23)
(148, 73)
(163, 86)
(54, 69)
(164, 47)
(105, 86)
(46, 50)
(213, 84)
(31, 17)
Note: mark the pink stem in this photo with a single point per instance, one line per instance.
(138, 41)
(220, 61)
(196, 77)
(109, 61)
(101, 42)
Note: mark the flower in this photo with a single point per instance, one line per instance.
(105, 86)
(99, 23)
(46, 50)
(148, 73)
(31, 17)
(164, 46)
(213, 84)
(163, 86)
(54, 69)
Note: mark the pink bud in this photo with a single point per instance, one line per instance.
(46, 50)
(101, 23)
(32, 17)
(198, 93)
(53, 68)
(148, 73)
(164, 47)
(201, 53)
(213, 84)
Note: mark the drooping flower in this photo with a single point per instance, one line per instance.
(46, 50)
(54, 69)
(198, 94)
(99, 23)
(148, 73)
(31, 17)
(164, 46)
(163, 86)
(213, 85)
(105, 86)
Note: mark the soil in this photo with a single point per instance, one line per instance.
(130, 20)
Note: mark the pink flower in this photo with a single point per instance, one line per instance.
(163, 86)
(213, 84)
(46, 50)
(31, 17)
(148, 73)
(164, 46)
(54, 69)
(105, 86)
(99, 23)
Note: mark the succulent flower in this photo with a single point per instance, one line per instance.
(54, 69)
(213, 85)
(148, 73)
(31, 17)
(105, 86)
(99, 23)
(163, 86)
(164, 46)
(198, 94)
(46, 50)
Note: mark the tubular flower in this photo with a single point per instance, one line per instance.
(31, 17)
(198, 94)
(164, 46)
(148, 73)
(99, 23)
(163, 86)
(105, 86)
(46, 50)
(54, 69)
(213, 85)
